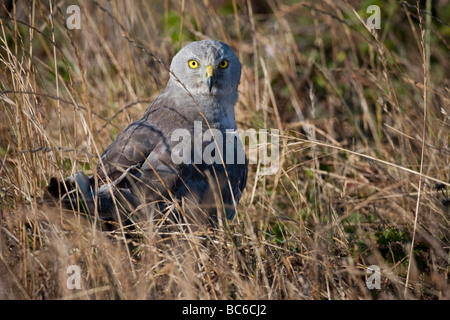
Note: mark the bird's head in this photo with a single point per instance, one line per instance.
(207, 67)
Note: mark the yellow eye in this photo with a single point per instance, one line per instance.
(223, 64)
(193, 64)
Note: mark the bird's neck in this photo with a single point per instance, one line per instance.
(217, 109)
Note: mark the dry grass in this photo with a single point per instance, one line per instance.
(364, 121)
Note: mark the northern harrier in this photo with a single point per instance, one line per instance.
(164, 159)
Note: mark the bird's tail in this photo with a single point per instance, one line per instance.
(78, 193)
(74, 192)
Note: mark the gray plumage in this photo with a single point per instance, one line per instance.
(137, 169)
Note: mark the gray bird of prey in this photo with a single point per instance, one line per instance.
(183, 158)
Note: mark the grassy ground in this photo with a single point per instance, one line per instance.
(364, 120)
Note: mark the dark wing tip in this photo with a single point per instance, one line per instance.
(56, 188)
(53, 187)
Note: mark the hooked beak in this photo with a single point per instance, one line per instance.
(210, 74)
